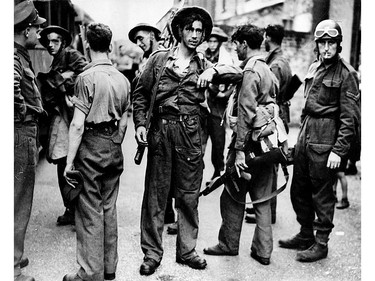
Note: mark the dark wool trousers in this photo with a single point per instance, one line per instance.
(174, 157)
(311, 191)
(25, 160)
(232, 212)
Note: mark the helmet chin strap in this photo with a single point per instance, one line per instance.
(148, 53)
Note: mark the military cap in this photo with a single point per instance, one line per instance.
(26, 15)
(219, 34)
(185, 13)
(143, 26)
(57, 29)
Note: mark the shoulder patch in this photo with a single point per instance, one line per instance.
(353, 96)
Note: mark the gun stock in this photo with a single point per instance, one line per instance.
(139, 154)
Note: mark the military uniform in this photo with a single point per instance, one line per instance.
(259, 86)
(27, 110)
(280, 67)
(174, 151)
(332, 103)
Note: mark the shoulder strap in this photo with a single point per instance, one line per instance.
(267, 197)
(154, 90)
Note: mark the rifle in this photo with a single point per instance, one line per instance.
(230, 177)
(164, 24)
(141, 147)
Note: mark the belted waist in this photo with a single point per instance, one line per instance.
(174, 117)
(333, 116)
(183, 109)
(29, 118)
(103, 127)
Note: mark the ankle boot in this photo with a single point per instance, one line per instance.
(316, 252)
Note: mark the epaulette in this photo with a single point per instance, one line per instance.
(250, 65)
(159, 51)
(347, 65)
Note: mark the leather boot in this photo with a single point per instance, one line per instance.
(66, 218)
(24, 262)
(316, 252)
(298, 242)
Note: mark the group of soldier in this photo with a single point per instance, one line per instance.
(179, 99)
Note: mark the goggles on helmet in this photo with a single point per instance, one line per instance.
(332, 32)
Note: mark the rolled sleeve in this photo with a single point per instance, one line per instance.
(81, 100)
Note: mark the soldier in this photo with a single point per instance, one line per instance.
(217, 99)
(258, 88)
(95, 136)
(57, 87)
(146, 36)
(174, 138)
(330, 119)
(27, 110)
(279, 65)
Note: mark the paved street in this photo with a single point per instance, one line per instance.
(52, 249)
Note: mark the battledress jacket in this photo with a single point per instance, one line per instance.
(280, 67)
(27, 98)
(175, 95)
(68, 60)
(332, 92)
(259, 86)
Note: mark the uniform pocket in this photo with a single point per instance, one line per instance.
(318, 155)
(330, 91)
(319, 152)
(189, 167)
(192, 130)
(32, 83)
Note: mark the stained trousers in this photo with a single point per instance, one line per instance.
(100, 161)
(25, 161)
(232, 212)
(174, 156)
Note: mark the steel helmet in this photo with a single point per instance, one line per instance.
(143, 26)
(328, 29)
(187, 12)
(219, 34)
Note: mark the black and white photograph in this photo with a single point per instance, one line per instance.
(187, 140)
